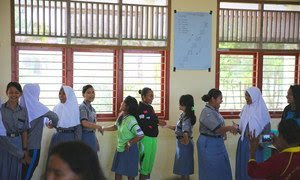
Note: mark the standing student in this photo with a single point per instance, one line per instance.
(36, 114)
(292, 110)
(213, 161)
(254, 116)
(149, 122)
(129, 133)
(68, 127)
(88, 118)
(4, 143)
(184, 157)
(15, 121)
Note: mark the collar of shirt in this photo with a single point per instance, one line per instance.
(211, 107)
(292, 149)
(18, 108)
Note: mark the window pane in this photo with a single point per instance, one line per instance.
(235, 77)
(146, 2)
(278, 75)
(143, 70)
(231, 5)
(97, 69)
(44, 68)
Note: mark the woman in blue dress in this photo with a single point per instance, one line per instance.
(254, 117)
(68, 127)
(213, 161)
(184, 157)
(15, 122)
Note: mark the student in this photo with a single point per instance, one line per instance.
(213, 161)
(73, 160)
(68, 127)
(88, 118)
(184, 157)
(15, 121)
(36, 114)
(283, 165)
(254, 116)
(149, 122)
(293, 109)
(4, 143)
(129, 133)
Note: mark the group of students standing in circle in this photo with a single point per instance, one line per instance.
(23, 117)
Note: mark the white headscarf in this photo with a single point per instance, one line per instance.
(255, 114)
(68, 112)
(30, 100)
(2, 128)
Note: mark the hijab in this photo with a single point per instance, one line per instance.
(255, 115)
(68, 112)
(2, 128)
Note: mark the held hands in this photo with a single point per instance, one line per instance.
(233, 129)
(127, 146)
(162, 123)
(26, 159)
(101, 130)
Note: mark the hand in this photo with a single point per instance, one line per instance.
(26, 159)
(162, 122)
(49, 125)
(254, 142)
(127, 146)
(233, 130)
(100, 129)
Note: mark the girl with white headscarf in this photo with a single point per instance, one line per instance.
(68, 127)
(254, 117)
(37, 112)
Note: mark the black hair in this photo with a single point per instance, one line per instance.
(86, 87)
(290, 131)
(188, 101)
(144, 91)
(14, 84)
(81, 158)
(213, 93)
(132, 105)
(296, 95)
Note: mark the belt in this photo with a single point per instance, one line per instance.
(214, 136)
(13, 134)
(87, 131)
(65, 131)
(180, 137)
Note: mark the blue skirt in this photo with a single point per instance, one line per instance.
(242, 158)
(89, 138)
(126, 163)
(60, 137)
(213, 161)
(184, 159)
(10, 166)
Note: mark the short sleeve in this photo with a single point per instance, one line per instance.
(209, 119)
(83, 113)
(186, 125)
(134, 128)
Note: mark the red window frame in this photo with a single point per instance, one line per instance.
(67, 74)
(257, 73)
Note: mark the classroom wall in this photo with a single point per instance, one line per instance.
(196, 83)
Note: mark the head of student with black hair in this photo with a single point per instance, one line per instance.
(293, 98)
(13, 92)
(128, 107)
(88, 93)
(146, 95)
(73, 160)
(289, 134)
(186, 104)
(213, 97)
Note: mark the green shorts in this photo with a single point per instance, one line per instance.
(147, 151)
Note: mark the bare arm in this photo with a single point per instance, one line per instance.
(170, 127)
(132, 141)
(110, 128)
(87, 124)
(185, 140)
(225, 129)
